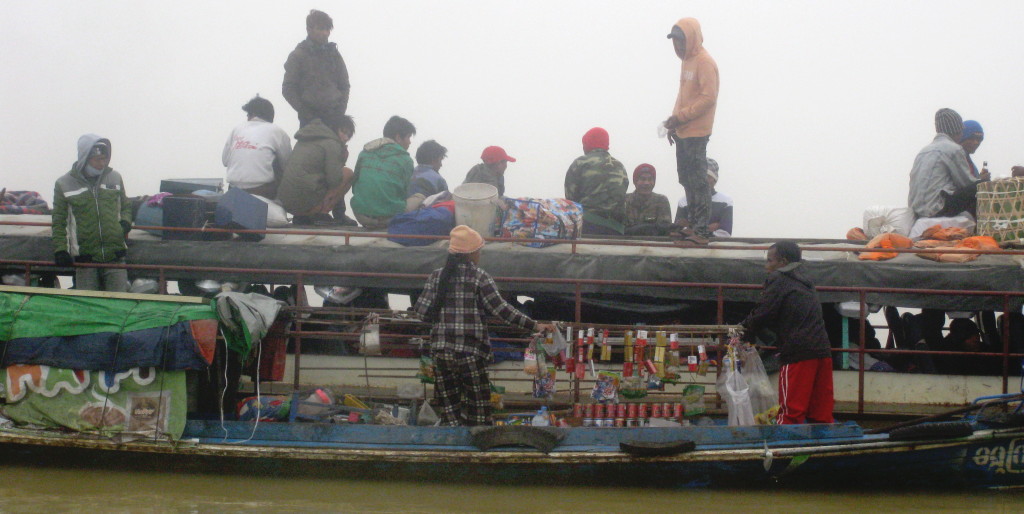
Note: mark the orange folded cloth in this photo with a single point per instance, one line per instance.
(856, 234)
(944, 234)
(974, 243)
(885, 241)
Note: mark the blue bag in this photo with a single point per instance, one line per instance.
(432, 221)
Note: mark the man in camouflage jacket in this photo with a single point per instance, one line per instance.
(598, 182)
(92, 217)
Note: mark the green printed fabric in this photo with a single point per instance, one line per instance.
(140, 402)
(58, 315)
(598, 182)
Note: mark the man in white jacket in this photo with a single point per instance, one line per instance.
(256, 151)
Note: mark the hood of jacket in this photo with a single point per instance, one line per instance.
(85, 143)
(308, 45)
(794, 271)
(384, 146)
(315, 130)
(694, 37)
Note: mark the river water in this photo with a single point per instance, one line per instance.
(27, 488)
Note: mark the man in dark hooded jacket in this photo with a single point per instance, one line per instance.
(92, 217)
(790, 307)
(315, 178)
(315, 77)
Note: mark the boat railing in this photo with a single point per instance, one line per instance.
(298, 331)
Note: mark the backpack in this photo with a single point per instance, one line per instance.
(431, 221)
(536, 218)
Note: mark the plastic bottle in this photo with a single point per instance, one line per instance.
(540, 419)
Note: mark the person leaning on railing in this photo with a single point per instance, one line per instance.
(455, 300)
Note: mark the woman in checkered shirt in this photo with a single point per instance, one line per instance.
(455, 300)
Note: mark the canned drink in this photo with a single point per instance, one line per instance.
(588, 411)
(577, 410)
(631, 411)
(666, 410)
(620, 410)
(677, 411)
(627, 369)
(620, 422)
(609, 410)
(607, 422)
(642, 410)
(656, 410)
(588, 422)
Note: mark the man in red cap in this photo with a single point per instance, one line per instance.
(690, 124)
(598, 182)
(492, 170)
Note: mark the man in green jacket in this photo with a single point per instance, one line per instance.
(92, 217)
(382, 175)
(315, 178)
(598, 182)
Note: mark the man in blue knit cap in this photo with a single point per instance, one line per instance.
(970, 140)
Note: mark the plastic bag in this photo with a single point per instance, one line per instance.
(693, 400)
(734, 390)
(369, 337)
(879, 219)
(762, 393)
(606, 388)
(530, 362)
(427, 417)
(544, 384)
(553, 343)
(426, 373)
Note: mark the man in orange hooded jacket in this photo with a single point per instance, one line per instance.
(691, 121)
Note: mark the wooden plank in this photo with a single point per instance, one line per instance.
(103, 294)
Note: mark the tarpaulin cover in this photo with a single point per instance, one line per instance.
(315, 254)
(111, 334)
(140, 402)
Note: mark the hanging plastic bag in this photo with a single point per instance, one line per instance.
(544, 384)
(606, 388)
(693, 400)
(553, 343)
(733, 388)
(426, 417)
(530, 362)
(369, 338)
(762, 393)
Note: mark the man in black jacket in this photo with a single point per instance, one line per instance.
(790, 307)
(315, 77)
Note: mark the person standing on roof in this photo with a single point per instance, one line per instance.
(940, 181)
(598, 182)
(691, 121)
(92, 217)
(647, 212)
(256, 151)
(455, 300)
(383, 171)
(790, 307)
(315, 77)
(491, 170)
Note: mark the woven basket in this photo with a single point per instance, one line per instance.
(1001, 209)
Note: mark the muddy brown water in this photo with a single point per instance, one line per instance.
(26, 488)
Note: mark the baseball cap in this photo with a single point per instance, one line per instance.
(493, 154)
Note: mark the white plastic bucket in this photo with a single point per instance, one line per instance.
(476, 207)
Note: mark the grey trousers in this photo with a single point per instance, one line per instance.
(692, 167)
(102, 279)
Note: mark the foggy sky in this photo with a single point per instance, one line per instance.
(822, 108)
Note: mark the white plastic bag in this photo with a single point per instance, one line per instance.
(426, 417)
(879, 219)
(733, 388)
(762, 393)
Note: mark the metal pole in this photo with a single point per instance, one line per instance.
(1006, 343)
(860, 352)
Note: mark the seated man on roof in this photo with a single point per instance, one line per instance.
(970, 140)
(383, 171)
(940, 181)
(598, 182)
(491, 170)
(315, 179)
(720, 221)
(256, 151)
(427, 186)
(647, 212)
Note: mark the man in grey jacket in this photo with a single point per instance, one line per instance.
(940, 181)
(315, 77)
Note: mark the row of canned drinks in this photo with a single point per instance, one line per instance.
(626, 414)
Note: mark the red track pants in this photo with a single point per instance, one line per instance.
(805, 392)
